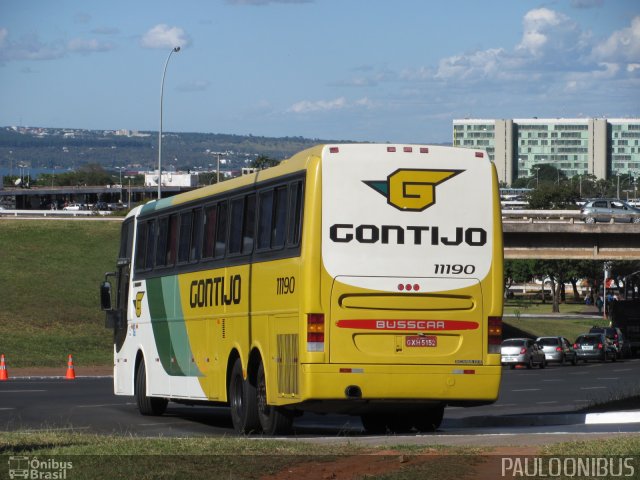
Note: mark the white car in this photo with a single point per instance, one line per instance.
(73, 207)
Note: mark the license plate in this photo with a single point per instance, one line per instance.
(587, 347)
(421, 341)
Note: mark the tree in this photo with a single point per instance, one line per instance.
(553, 197)
(263, 161)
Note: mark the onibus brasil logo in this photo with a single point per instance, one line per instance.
(412, 190)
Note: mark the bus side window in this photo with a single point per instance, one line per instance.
(141, 246)
(151, 243)
(235, 225)
(265, 214)
(196, 230)
(249, 227)
(184, 242)
(161, 244)
(221, 231)
(279, 219)
(172, 240)
(209, 237)
(295, 212)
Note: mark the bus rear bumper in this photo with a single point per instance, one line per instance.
(394, 384)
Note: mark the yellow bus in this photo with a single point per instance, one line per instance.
(360, 279)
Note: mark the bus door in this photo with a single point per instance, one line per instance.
(123, 275)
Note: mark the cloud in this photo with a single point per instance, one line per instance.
(164, 36)
(84, 46)
(30, 47)
(622, 46)
(194, 86)
(105, 31)
(586, 3)
(546, 31)
(341, 103)
(265, 2)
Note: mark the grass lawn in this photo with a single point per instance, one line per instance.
(98, 457)
(49, 278)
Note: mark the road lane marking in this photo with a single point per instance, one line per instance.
(624, 370)
(592, 388)
(500, 405)
(526, 390)
(21, 391)
(7, 408)
(554, 380)
(608, 378)
(546, 403)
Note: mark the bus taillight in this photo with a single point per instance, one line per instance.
(495, 334)
(315, 332)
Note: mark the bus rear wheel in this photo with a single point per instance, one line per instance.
(429, 420)
(273, 420)
(147, 405)
(242, 400)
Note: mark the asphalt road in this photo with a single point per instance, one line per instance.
(531, 401)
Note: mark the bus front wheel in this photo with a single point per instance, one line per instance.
(242, 400)
(273, 420)
(147, 405)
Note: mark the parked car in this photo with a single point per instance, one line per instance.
(557, 349)
(606, 209)
(595, 346)
(617, 338)
(73, 207)
(522, 351)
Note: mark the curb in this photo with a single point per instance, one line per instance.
(541, 420)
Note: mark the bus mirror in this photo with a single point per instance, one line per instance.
(105, 296)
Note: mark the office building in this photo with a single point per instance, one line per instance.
(576, 146)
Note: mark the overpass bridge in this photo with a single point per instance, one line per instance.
(561, 234)
(545, 234)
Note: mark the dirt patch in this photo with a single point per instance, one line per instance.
(486, 466)
(352, 467)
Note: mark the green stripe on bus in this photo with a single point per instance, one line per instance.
(160, 325)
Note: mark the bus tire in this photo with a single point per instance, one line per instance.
(147, 405)
(383, 423)
(376, 423)
(242, 400)
(430, 419)
(273, 420)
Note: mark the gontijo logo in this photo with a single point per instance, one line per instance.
(412, 190)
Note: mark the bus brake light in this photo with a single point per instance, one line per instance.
(315, 332)
(494, 334)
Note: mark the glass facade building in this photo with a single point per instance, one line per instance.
(601, 147)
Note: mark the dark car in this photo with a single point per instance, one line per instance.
(617, 338)
(607, 209)
(558, 349)
(595, 346)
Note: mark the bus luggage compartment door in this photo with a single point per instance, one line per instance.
(408, 327)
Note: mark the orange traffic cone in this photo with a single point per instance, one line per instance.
(71, 374)
(4, 375)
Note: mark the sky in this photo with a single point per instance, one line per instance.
(364, 70)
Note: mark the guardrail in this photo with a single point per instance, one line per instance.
(550, 216)
(54, 213)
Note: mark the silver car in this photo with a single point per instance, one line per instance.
(557, 349)
(522, 351)
(607, 209)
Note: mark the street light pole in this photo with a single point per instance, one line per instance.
(173, 50)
